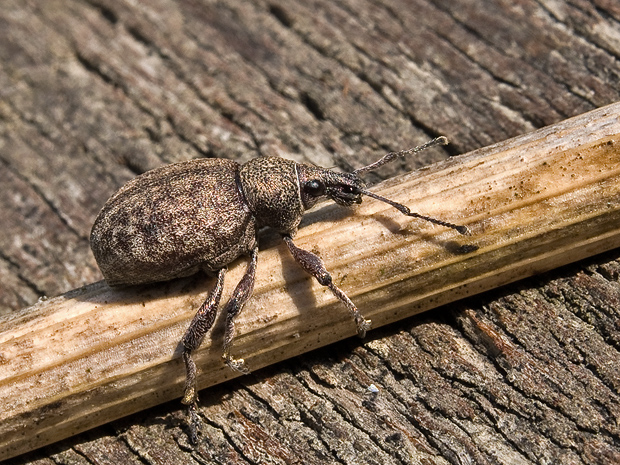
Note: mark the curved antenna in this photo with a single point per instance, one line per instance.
(405, 211)
(441, 140)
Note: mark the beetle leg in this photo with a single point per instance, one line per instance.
(240, 296)
(313, 265)
(198, 328)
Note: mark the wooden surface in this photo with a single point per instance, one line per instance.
(113, 352)
(94, 92)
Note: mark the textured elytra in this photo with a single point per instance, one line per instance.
(173, 221)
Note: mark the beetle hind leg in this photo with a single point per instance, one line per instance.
(198, 328)
(240, 296)
(313, 265)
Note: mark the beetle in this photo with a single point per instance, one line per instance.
(203, 214)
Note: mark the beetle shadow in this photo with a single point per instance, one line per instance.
(101, 292)
(329, 211)
(135, 295)
(293, 273)
(333, 212)
(451, 246)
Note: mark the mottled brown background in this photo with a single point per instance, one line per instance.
(93, 92)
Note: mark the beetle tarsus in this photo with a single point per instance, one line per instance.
(363, 326)
(194, 423)
(190, 395)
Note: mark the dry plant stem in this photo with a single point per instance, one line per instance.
(532, 203)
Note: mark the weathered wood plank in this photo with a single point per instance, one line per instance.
(95, 92)
(109, 353)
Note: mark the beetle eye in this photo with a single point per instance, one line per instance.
(315, 188)
(348, 190)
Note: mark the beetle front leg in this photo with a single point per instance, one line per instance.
(198, 328)
(313, 265)
(240, 296)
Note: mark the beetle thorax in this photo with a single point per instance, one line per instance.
(271, 189)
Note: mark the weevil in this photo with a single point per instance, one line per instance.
(203, 214)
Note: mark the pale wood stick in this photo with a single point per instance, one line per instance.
(533, 203)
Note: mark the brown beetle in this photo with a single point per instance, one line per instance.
(202, 214)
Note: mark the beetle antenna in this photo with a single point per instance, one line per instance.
(441, 140)
(405, 211)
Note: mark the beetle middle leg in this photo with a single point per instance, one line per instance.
(240, 296)
(198, 328)
(313, 265)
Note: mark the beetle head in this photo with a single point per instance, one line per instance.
(315, 182)
(348, 188)
(345, 188)
(278, 191)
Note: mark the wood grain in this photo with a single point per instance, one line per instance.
(532, 204)
(94, 92)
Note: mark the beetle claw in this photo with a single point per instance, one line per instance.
(363, 325)
(237, 364)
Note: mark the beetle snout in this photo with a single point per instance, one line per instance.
(345, 195)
